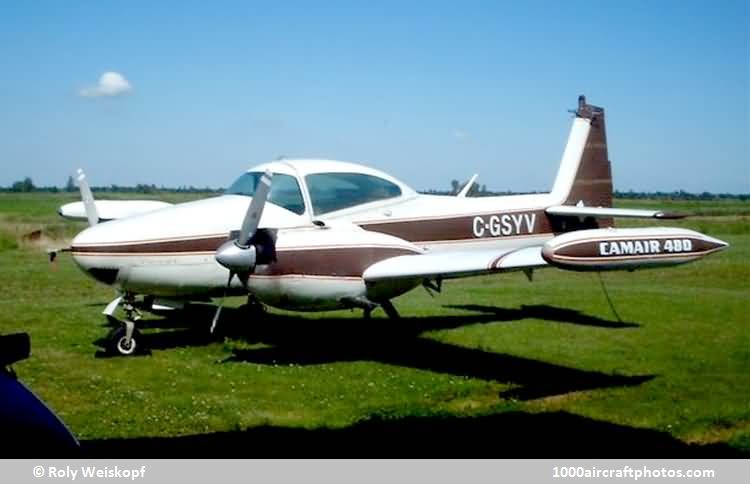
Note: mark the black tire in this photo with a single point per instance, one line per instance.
(253, 310)
(117, 346)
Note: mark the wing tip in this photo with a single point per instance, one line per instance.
(670, 215)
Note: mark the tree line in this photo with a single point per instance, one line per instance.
(27, 186)
(482, 191)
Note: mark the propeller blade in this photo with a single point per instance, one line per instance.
(221, 304)
(255, 210)
(53, 253)
(88, 199)
(238, 255)
(216, 316)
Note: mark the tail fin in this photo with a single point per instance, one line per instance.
(585, 176)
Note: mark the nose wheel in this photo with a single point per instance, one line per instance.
(125, 340)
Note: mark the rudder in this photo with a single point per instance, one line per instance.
(592, 183)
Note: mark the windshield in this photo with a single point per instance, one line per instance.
(285, 190)
(335, 191)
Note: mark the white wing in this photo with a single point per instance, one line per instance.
(111, 209)
(103, 210)
(452, 264)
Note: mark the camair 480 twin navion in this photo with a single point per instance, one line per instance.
(313, 235)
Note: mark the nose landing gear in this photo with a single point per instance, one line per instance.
(124, 339)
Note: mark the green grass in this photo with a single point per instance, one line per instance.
(485, 347)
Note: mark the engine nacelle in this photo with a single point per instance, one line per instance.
(613, 249)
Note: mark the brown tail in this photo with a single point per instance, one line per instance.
(592, 184)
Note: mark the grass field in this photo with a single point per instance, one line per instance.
(540, 369)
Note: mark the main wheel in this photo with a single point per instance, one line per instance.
(118, 344)
(253, 309)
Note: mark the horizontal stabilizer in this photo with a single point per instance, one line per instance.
(450, 264)
(605, 212)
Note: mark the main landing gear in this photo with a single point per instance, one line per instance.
(124, 339)
(387, 306)
(253, 308)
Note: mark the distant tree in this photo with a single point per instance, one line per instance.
(24, 186)
(70, 186)
(454, 186)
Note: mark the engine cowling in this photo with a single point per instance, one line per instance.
(617, 249)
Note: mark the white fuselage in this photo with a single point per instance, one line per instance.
(170, 253)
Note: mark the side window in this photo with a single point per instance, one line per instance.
(335, 191)
(285, 193)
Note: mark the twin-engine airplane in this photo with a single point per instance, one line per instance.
(322, 235)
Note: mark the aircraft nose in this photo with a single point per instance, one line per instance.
(89, 254)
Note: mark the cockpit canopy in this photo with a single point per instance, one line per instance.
(336, 191)
(330, 186)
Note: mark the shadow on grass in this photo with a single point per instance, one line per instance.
(506, 435)
(401, 342)
(300, 341)
(547, 313)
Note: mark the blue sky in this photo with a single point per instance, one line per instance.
(427, 91)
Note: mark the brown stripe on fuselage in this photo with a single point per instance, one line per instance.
(457, 227)
(330, 261)
(412, 230)
(201, 244)
(335, 262)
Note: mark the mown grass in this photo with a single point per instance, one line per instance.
(676, 361)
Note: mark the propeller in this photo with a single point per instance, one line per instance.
(52, 254)
(240, 254)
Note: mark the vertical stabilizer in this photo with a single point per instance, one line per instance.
(585, 175)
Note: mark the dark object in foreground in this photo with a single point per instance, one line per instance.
(28, 428)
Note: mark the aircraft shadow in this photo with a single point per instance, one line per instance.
(299, 341)
(548, 313)
(192, 329)
(532, 378)
(400, 342)
(506, 435)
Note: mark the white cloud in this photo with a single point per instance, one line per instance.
(460, 134)
(110, 84)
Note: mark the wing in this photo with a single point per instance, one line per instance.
(103, 210)
(452, 264)
(110, 209)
